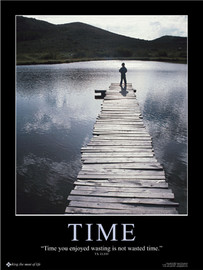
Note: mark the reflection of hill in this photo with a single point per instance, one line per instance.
(39, 41)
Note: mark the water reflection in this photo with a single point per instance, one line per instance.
(47, 179)
(165, 116)
(56, 111)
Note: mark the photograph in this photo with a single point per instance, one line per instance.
(101, 105)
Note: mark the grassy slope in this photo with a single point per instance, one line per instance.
(42, 42)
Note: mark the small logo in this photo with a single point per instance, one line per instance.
(8, 264)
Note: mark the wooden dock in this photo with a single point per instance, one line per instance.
(120, 174)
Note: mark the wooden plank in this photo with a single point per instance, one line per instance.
(120, 181)
(140, 166)
(140, 131)
(139, 184)
(108, 131)
(122, 111)
(121, 140)
(119, 121)
(117, 118)
(112, 148)
(124, 118)
(119, 132)
(129, 172)
(114, 122)
(112, 138)
(122, 154)
(146, 146)
(114, 125)
(140, 201)
(130, 117)
(122, 137)
(130, 181)
(119, 115)
(118, 158)
(138, 211)
(119, 206)
(91, 211)
(112, 107)
(135, 136)
(119, 143)
(135, 144)
(118, 126)
(158, 195)
(126, 149)
(122, 189)
(120, 176)
(115, 160)
(134, 104)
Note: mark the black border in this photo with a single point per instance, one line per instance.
(22, 237)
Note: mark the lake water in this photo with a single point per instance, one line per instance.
(55, 114)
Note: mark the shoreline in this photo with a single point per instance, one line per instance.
(74, 60)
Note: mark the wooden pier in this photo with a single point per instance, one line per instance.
(120, 174)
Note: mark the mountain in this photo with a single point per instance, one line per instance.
(41, 42)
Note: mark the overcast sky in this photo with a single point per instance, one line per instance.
(144, 27)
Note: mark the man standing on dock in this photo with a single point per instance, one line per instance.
(123, 71)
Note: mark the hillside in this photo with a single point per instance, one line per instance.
(43, 42)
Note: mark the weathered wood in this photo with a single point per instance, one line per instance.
(138, 201)
(126, 182)
(119, 132)
(120, 174)
(124, 176)
(118, 122)
(146, 146)
(143, 183)
(140, 166)
(119, 139)
(123, 189)
(116, 206)
(137, 157)
(119, 143)
(118, 149)
(115, 160)
(118, 125)
(137, 211)
(122, 137)
(107, 193)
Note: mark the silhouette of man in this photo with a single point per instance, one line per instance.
(123, 71)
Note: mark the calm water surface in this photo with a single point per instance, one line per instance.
(56, 111)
